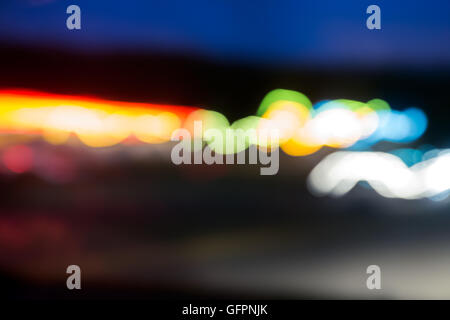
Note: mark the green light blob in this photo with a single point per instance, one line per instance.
(282, 94)
(378, 105)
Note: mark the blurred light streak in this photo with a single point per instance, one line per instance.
(386, 173)
(96, 122)
(302, 128)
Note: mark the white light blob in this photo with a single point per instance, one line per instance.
(387, 174)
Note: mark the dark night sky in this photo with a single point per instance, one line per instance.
(319, 33)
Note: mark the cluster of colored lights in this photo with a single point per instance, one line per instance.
(305, 128)
(302, 129)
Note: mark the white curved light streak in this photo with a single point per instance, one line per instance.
(387, 174)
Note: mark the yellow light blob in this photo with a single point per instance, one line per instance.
(94, 132)
(298, 110)
(301, 144)
(286, 117)
(156, 129)
(119, 125)
(297, 148)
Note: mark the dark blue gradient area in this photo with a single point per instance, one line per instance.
(317, 32)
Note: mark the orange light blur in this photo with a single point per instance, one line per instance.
(96, 122)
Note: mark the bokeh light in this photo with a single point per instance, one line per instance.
(386, 173)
